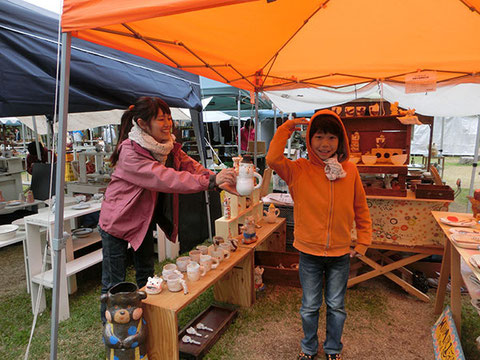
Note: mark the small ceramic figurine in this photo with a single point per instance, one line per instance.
(227, 210)
(355, 142)
(249, 234)
(475, 202)
(236, 163)
(394, 108)
(272, 214)
(30, 198)
(380, 141)
(154, 285)
(259, 285)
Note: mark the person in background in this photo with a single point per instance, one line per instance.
(328, 197)
(247, 133)
(32, 156)
(148, 166)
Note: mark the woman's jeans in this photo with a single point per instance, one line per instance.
(313, 270)
(114, 264)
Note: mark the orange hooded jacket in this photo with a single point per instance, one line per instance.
(324, 210)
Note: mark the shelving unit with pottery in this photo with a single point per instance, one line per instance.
(11, 169)
(70, 265)
(228, 227)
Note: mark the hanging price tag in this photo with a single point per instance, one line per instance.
(421, 82)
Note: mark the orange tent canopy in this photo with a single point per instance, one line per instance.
(282, 44)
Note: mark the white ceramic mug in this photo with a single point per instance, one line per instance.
(208, 262)
(245, 182)
(182, 263)
(169, 269)
(221, 254)
(195, 255)
(226, 246)
(194, 271)
(203, 249)
(175, 282)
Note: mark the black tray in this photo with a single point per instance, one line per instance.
(215, 317)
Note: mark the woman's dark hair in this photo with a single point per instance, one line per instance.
(329, 124)
(249, 124)
(32, 149)
(145, 108)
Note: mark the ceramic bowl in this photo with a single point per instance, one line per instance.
(20, 223)
(398, 159)
(369, 159)
(8, 231)
(354, 159)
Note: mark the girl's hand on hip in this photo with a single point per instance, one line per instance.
(353, 253)
(227, 176)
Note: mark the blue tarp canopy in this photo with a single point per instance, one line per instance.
(100, 78)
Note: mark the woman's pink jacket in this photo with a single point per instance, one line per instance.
(131, 196)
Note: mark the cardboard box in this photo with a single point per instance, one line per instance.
(261, 147)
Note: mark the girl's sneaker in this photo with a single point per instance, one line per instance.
(333, 356)
(303, 356)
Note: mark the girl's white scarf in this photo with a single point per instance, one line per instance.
(333, 169)
(159, 151)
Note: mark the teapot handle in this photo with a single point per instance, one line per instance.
(277, 212)
(259, 178)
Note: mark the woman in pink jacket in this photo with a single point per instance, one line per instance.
(149, 164)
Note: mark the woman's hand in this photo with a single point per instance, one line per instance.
(227, 176)
(293, 125)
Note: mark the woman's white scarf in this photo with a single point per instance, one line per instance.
(333, 169)
(159, 151)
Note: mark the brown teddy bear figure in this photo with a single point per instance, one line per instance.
(125, 332)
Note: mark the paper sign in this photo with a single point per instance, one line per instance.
(421, 82)
(446, 343)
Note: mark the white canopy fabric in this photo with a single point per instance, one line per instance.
(452, 98)
(458, 139)
(13, 121)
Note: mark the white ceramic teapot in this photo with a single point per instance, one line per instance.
(245, 182)
(272, 214)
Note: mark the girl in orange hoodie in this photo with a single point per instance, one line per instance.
(328, 197)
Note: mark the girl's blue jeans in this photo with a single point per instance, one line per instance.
(314, 271)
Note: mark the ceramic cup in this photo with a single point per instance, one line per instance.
(194, 271)
(220, 254)
(208, 262)
(182, 263)
(203, 249)
(169, 269)
(226, 247)
(195, 255)
(175, 282)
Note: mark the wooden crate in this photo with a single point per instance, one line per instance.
(270, 260)
(444, 192)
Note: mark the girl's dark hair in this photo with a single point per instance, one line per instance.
(32, 149)
(326, 123)
(145, 108)
(249, 124)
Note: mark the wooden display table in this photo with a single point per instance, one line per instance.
(233, 283)
(451, 268)
(233, 280)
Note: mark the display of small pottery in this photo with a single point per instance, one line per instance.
(227, 211)
(349, 111)
(374, 110)
(360, 110)
(249, 234)
(355, 142)
(394, 108)
(337, 110)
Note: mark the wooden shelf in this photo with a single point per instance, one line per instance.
(80, 243)
(72, 267)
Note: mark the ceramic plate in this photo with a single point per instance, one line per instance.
(464, 231)
(80, 206)
(14, 203)
(82, 232)
(467, 241)
(475, 261)
(455, 221)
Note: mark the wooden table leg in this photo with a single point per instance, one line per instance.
(237, 287)
(162, 340)
(443, 280)
(455, 298)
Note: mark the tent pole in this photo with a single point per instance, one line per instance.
(37, 145)
(256, 129)
(239, 123)
(440, 151)
(475, 160)
(196, 121)
(274, 119)
(59, 239)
